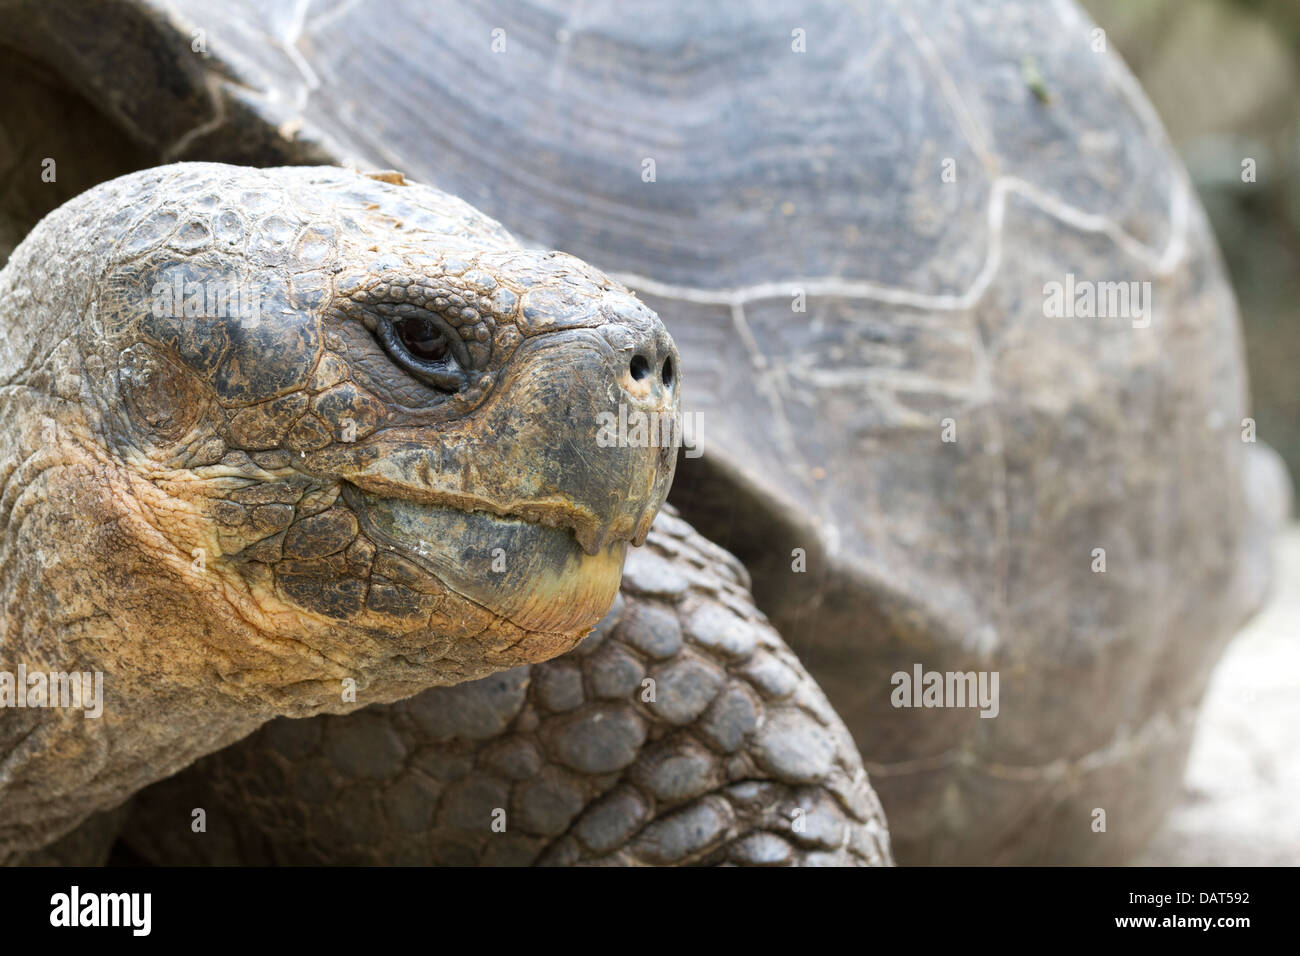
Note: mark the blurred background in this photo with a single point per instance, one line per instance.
(1225, 77)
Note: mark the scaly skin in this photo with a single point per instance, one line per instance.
(235, 515)
(738, 759)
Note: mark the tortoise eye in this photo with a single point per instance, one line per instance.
(423, 339)
(424, 346)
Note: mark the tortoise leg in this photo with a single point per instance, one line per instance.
(681, 731)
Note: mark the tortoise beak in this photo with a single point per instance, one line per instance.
(645, 424)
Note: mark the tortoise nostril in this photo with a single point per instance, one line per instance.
(639, 367)
(666, 374)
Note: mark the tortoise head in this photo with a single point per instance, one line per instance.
(373, 419)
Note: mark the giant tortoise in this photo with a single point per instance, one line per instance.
(853, 219)
(297, 440)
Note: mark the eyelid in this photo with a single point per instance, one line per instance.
(447, 374)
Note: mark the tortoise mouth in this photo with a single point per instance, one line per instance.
(590, 533)
(535, 574)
